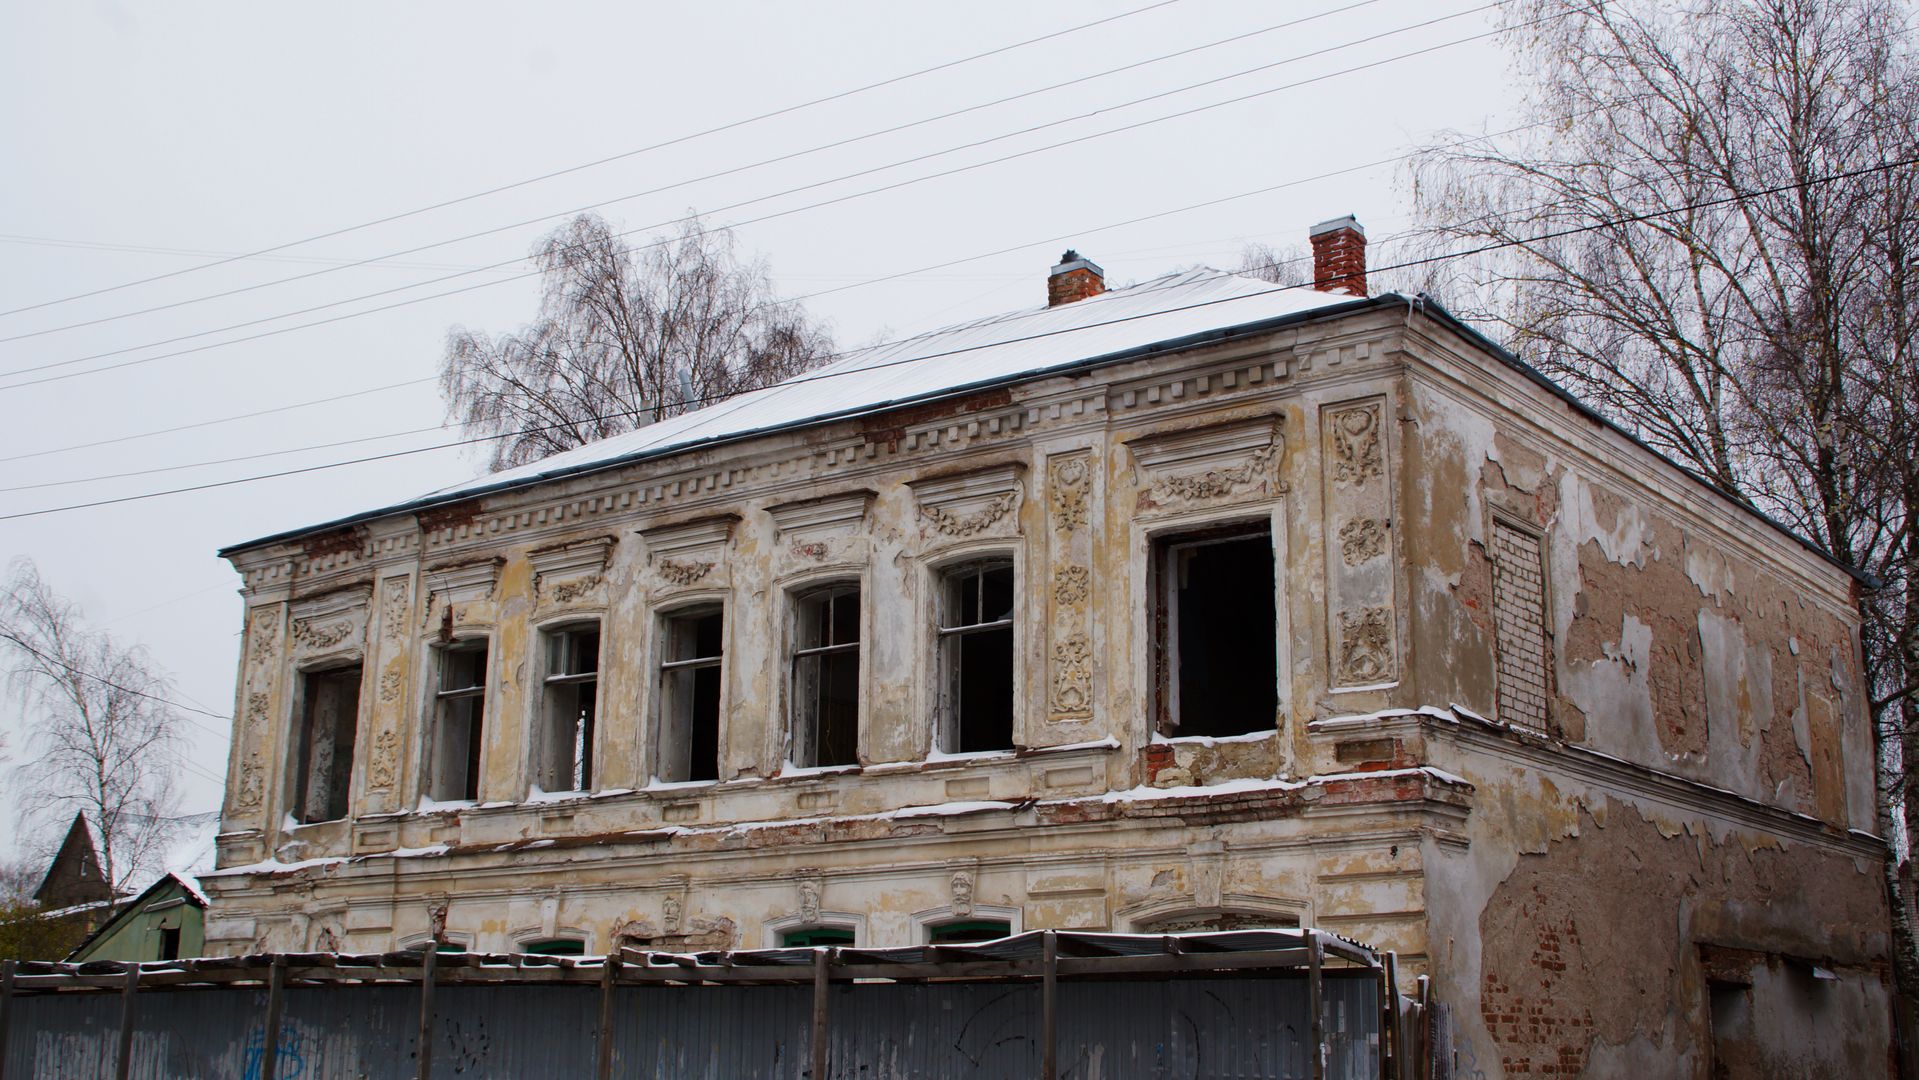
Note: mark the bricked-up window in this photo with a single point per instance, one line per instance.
(323, 751)
(459, 723)
(691, 664)
(564, 754)
(826, 676)
(1519, 620)
(1216, 661)
(976, 658)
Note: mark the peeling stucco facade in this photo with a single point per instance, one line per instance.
(1683, 784)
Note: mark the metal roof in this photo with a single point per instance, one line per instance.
(1165, 312)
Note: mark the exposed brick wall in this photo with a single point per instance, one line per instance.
(1076, 284)
(1339, 261)
(1519, 616)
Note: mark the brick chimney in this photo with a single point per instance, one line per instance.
(1339, 256)
(1074, 279)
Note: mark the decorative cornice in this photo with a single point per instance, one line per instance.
(577, 558)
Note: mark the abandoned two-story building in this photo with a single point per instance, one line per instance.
(1201, 603)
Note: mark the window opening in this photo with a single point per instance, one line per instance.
(817, 935)
(690, 667)
(323, 752)
(572, 701)
(826, 677)
(967, 930)
(1215, 629)
(976, 658)
(555, 947)
(459, 723)
(169, 943)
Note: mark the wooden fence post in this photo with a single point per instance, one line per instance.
(1049, 1009)
(609, 975)
(124, 1067)
(270, 1046)
(1314, 1003)
(821, 959)
(6, 1011)
(427, 964)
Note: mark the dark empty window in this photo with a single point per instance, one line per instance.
(976, 658)
(555, 947)
(1214, 631)
(323, 753)
(169, 943)
(459, 722)
(564, 753)
(826, 677)
(963, 931)
(818, 935)
(690, 668)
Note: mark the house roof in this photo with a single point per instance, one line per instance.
(1174, 311)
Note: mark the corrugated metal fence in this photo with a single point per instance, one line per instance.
(1225, 1028)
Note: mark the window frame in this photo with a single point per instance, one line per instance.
(547, 637)
(802, 749)
(438, 699)
(665, 701)
(946, 638)
(933, 930)
(1161, 545)
(299, 761)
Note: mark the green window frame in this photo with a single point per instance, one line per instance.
(814, 936)
(968, 931)
(555, 947)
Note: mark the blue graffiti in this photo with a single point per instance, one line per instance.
(289, 1062)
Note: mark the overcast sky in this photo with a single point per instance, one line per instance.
(144, 140)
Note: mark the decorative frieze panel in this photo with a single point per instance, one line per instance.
(571, 573)
(984, 503)
(1361, 568)
(388, 653)
(814, 530)
(1213, 464)
(457, 589)
(1071, 509)
(332, 624)
(250, 766)
(690, 553)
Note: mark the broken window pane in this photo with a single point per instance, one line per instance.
(690, 668)
(976, 658)
(458, 723)
(564, 752)
(826, 677)
(1215, 632)
(323, 750)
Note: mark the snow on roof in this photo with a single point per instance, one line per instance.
(997, 349)
(990, 350)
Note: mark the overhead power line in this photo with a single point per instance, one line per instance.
(821, 375)
(1136, 125)
(462, 271)
(623, 155)
(1070, 234)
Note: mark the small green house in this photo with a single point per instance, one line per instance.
(164, 923)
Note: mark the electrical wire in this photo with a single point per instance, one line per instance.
(496, 230)
(820, 375)
(733, 225)
(787, 110)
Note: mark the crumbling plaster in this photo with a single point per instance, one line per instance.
(1702, 667)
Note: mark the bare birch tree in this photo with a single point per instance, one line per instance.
(102, 739)
(1710, 234)
(625, 337)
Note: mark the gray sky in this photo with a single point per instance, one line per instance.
(148, 139)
